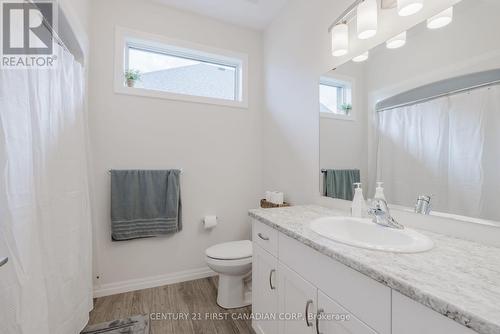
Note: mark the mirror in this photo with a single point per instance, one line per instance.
(423, 118)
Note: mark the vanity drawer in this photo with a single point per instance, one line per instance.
(265, 236)
(368, 300)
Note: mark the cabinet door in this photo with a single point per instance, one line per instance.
(334, 319)
(264, 291)
(297, 303)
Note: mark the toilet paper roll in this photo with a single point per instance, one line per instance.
(210, 222)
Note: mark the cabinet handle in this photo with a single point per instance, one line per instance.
(271, 279)
(318, 315)
(309, 302)
(262, 237)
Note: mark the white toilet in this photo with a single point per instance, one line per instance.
(233, 262)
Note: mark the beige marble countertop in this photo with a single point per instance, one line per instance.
(457, 278)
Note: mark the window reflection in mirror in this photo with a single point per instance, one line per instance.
(335, 96)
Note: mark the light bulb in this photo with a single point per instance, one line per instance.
(362, 57)
(397, 41)
(440, 20)
(340, 40)
(367, 19)
(409, 7)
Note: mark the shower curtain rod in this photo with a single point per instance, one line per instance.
(51, 29)
(439, 89)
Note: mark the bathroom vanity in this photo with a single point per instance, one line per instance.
(306, 283)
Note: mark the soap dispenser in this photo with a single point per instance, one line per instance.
(379, 191)
(358, 207)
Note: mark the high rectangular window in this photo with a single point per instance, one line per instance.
(151, 65)
(188, 74)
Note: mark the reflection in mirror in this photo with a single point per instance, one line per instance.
(335, 97)
(423, 118)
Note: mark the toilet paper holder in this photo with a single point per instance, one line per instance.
(210, 222)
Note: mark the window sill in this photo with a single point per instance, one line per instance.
(337, 116)
(178, 97)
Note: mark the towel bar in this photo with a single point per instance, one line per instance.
(109, 171)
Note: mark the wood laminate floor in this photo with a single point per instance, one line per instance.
(188, 307)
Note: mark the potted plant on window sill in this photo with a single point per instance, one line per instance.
(346, 108)
(131, 77)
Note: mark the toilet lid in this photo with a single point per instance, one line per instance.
(230, 250)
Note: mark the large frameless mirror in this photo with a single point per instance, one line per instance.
(420, 113)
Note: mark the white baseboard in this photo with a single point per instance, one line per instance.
(151, 282)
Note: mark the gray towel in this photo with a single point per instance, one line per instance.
(338, 183)
(145, 203)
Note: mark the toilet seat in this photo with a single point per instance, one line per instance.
(230, 251)
(227, 264)
(232, 261)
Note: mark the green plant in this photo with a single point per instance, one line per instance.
(133, 75)
(346, 107)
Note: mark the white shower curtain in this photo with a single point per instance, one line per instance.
(448, 148)
(45, 228)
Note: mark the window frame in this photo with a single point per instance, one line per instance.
(126, 38)
(338, 81)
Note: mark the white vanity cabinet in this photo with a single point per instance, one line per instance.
(264, 290)
(410, 317)
(296, 297)
(334, 319)
(365, 299)
(292, 280)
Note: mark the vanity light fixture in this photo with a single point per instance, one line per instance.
(361, 58)
(340, 40)
(409, 7)
(440, 20)
(367, 19)
(397, 41)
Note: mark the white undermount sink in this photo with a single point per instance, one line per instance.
(364, 233)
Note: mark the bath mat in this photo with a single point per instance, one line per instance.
(138, 324)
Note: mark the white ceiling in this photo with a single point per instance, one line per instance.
(255, 14)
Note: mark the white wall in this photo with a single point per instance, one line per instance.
(296, 53)
(219, 148)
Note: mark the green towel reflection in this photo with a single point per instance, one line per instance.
(338, 183)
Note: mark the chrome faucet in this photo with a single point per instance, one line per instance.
(381, 214)
(423, 205)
